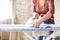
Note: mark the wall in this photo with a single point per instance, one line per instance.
(57, 12)
(22, 11)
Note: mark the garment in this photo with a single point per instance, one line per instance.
(49, 21)
(49, 33)
(48, 5)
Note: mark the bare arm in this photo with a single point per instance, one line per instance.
(50, 13)
(47, 15)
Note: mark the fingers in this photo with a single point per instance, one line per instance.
(35, 25)
(34, 14)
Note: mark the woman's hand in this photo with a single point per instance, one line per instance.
(37, 23)
(35, 15)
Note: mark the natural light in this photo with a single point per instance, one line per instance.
(5, 9)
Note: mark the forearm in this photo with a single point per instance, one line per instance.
(46, 17)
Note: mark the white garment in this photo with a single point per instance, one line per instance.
(31, 22)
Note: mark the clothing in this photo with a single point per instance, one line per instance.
(48, 5)
(42, 7)
(49, 21)
(40, 37)
(50, 32)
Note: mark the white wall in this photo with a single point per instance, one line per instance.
(22, 11)
(5, 9)
(57, 11)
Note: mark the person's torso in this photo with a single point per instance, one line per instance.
(41, 6)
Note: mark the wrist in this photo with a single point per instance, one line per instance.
(40, 20)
